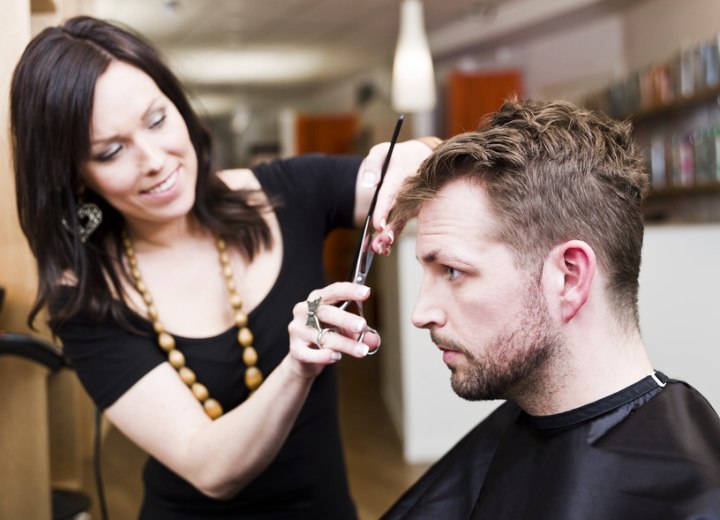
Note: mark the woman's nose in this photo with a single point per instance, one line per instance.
(151, 156)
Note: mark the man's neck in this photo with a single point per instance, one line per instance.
(585, 370)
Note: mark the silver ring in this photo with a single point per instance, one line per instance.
(362, 336)
(312, 319)
(321, 337)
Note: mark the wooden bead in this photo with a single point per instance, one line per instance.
(253, 375)
(212, 408)
(250, 356)
(176, 358)
(188, 376)
(147, 298)
(236, 301)
(241, 319)
(200, 391)
(253, 378)
(245, 337)
(165, 340)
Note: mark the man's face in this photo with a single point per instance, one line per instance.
(487, 316)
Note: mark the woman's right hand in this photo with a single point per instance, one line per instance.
(343, 328)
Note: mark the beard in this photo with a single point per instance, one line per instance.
(512, 362)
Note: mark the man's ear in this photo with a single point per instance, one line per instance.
(572, 265)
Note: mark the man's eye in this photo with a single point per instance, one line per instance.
(452, 273)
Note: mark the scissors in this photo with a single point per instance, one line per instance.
(364, 254)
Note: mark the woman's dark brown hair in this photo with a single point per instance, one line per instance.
(51, 107)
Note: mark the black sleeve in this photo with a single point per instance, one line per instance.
(323, 186)
(108, 359)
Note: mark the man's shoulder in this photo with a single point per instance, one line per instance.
(677, 423)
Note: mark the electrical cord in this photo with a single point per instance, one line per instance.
(98, 467)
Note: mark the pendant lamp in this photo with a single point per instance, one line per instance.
(413, 86)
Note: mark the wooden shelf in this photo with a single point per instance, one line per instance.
(698, 98)
(708, 188)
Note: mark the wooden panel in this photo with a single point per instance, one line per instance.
(326, 133)
(43, 6)
(473, 95)
(332, 134)
(71, 415)
(25, 477)
(17, 271)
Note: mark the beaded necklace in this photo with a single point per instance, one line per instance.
(253, 375)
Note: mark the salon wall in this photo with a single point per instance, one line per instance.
(656, 30)
(679, 308)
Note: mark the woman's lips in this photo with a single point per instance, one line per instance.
(163, 186)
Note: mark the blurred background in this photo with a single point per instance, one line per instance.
(281, 77)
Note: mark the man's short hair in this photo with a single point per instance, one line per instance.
(553, 172)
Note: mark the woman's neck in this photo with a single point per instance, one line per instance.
(163, 235)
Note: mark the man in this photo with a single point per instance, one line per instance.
(529, 233)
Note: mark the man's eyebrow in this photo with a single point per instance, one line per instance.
(429, 257)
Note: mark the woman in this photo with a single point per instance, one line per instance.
(171, 285)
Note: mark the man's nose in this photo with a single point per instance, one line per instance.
(427, 312)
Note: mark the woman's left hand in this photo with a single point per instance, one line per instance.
(405, 161)
(321, 331)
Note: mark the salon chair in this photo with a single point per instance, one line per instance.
(66, 504)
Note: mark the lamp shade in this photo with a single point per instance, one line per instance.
(413, 87)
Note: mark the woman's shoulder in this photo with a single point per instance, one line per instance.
(239, 179)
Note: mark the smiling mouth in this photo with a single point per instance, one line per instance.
(164, 185)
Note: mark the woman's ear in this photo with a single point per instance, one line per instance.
(571, 273)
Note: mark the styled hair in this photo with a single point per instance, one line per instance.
(51, 108)
(552, 172)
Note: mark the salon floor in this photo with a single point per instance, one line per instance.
(378, 475)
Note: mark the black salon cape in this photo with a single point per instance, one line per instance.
(647, 452)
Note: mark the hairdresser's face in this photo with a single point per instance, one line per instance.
(142, 161)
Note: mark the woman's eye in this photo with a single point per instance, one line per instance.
(109, 153)
(157, 119)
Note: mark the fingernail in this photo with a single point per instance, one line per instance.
(383, 224)
(335, 356)
(391, 234)
(361, 349)
(359, 326)
(370, 179)
(363, 290)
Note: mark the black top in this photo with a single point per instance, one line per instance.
(646, 452)
(307, 478)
